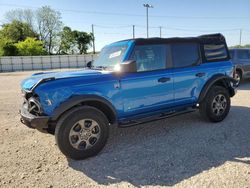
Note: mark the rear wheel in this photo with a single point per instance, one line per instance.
(216, 105)
(237, 77)
(82, 132)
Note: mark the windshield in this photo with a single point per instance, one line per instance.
(110, 56)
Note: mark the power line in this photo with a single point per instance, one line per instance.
(133, 15)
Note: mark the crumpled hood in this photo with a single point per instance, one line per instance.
(29, 83)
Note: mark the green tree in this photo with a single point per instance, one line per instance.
(29, 47)
(16, 31)
(83, 41)
(49, 26)
(67, 41)
(7, 47)
(74, 41)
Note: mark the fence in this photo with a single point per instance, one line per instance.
(22, 63)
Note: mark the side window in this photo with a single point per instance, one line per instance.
(185, 55)
(150, 57)
(215, 52)
(243, 54)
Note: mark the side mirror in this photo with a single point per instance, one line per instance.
(89, 64)
(128, 66)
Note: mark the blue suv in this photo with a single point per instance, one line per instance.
(132, 82)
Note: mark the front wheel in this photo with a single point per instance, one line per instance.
(82, 132)
(216, 105)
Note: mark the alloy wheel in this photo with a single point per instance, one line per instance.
(219, 104)
(84, 134)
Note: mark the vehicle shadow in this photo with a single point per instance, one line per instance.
(168, 151)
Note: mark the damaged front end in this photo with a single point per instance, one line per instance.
(31, 111)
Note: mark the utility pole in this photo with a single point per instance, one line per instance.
(240, 36)
(147, 6)
(133, 31)
(160, 31)
(93, 38)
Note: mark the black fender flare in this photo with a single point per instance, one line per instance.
(225, 80)
(75, 100)
(239, 67)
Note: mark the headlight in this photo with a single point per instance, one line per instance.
(34, 106)
(26, 95)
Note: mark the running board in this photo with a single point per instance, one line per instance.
(130, 123)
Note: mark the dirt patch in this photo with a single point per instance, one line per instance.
(183, 151)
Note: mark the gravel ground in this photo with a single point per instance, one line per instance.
(183, 151)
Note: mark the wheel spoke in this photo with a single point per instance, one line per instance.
(93, 125)
(81, 123)
(88, 145)
(74, 133)
(76, 145)
(216, 98)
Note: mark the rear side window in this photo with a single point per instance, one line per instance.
(185, 55)
(243, 54)
(215, 52)
(150, 57)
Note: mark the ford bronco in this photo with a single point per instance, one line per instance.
(132, 82)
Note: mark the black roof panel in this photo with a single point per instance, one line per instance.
(204, 39)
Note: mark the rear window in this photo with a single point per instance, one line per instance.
(215, 52)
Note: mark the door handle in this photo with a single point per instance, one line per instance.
(163, 79)
(200, 74)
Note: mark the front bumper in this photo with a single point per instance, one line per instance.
(35, 122)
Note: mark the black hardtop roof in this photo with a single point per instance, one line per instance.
(204, 39)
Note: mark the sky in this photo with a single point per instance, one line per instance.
(113, 19)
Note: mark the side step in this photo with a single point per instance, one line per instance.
(154, 117)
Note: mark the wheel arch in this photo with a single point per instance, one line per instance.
(98, 102)
(240, 70)
(220, 80)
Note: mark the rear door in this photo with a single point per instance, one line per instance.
(189, 77)
(243, 56)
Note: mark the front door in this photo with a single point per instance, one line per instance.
(151, 87)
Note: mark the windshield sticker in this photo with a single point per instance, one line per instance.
(115, 54)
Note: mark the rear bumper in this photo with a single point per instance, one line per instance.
(35, 122)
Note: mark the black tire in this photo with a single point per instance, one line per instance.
(65, 126)
(238, 77)
(207, 107)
